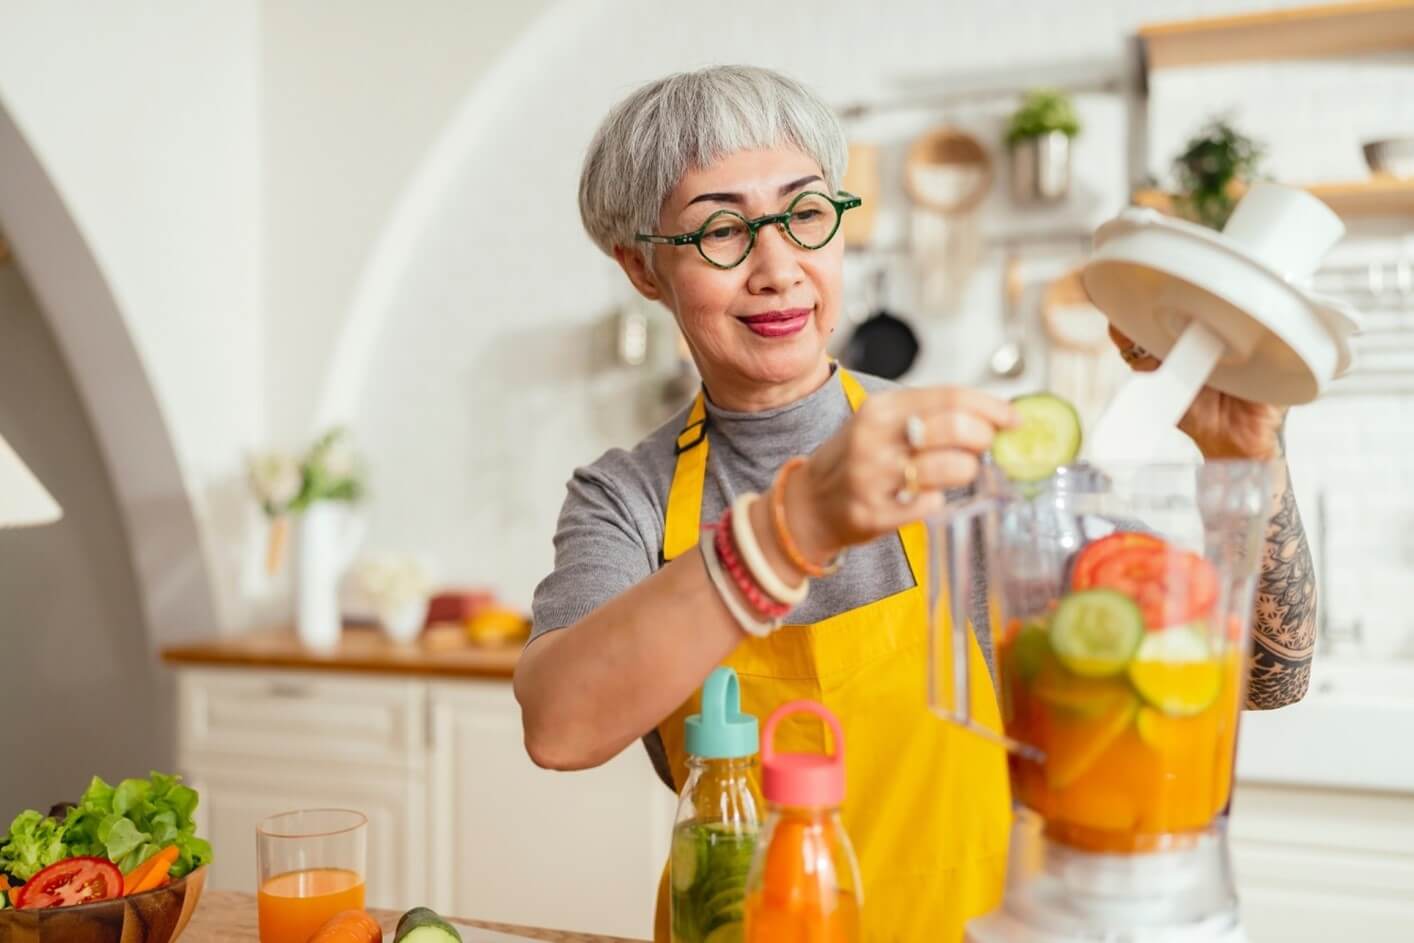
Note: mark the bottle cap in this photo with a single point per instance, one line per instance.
(721, 731)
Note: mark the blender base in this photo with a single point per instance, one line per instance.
(1001, 927)
(1060, 894)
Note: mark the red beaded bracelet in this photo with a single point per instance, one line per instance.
(731, 562)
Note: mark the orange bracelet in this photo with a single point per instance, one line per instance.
(782, 531)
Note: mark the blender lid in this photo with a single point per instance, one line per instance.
(1152, 275)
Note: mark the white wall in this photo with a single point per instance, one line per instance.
(143, 119)
(487, 376)
(354, 96)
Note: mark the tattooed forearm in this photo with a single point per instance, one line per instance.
(1284, 627)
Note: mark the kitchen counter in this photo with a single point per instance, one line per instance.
(229, 917)
(441, 652)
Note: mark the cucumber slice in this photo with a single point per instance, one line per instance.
(1030, 651)
(1095, 632)
(1047, 438)
(688, 850)
(423, 925)
(1177, 672)
(726, 933)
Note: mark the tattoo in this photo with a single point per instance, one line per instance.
(1284, 629)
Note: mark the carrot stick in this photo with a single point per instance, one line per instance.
(161, 863)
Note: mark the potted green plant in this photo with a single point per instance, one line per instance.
(1213, 172)
(1039, 138)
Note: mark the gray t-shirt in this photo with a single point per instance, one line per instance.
(610, 531)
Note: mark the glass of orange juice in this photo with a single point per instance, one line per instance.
(311, 866)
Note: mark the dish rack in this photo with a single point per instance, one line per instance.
(1382, 290)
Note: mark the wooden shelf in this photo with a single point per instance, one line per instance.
(1332, 29)
(1378, 196)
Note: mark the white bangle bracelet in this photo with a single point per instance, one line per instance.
(756, 562)
(719, 579)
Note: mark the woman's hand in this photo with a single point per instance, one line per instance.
(890, 464)
(1221, 425)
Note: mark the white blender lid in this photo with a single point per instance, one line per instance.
(1152, 274)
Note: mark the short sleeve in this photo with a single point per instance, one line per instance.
(599, 553)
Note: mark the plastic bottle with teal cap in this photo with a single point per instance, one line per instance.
(719, 817)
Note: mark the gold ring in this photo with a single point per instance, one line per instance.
(909, 491)
(915, 432)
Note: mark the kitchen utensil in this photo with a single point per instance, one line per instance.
(947, 170)
(883, 344)
(1392, 156)
(1009, 360)
(311, 865)
(1221, 309)
(157, 916)
(947, 175)
(861, 177)
(1120, 660)
(1082, 364)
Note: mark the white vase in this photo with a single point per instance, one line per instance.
(330, 533)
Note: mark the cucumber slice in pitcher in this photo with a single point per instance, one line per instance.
(1095, 632)
(1047, 438)
(688, 853)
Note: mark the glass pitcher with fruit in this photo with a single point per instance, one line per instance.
(1119, 602)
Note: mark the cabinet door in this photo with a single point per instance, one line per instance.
(515, 843)
(235, 799)
(1323, 864)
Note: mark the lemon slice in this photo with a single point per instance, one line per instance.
(1176, 671)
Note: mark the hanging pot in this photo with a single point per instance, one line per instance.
(883, 344)
(1040, 168)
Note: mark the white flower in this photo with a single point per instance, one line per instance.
(390, 581)
(275, 477)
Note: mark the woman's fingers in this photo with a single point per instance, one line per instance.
(934, 401)
(954, 430)
(942, 469)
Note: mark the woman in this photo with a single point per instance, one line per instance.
(639, 610)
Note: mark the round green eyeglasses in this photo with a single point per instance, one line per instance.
(727, 237)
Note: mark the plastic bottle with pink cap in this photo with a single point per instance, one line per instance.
(804, 885)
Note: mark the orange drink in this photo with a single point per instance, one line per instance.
(293, 906)
(1133, 758)
(311, 867)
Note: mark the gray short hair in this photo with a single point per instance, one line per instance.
(686, 122)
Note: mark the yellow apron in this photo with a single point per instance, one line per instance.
(927, 804)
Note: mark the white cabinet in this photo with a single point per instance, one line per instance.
(1322, 864)
(459, 818)
(516, 844)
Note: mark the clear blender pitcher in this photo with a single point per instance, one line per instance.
(1119, 603)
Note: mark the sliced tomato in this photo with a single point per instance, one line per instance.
(1171, 586)
(1097, 551)
(71, 881)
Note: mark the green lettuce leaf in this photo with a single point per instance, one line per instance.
(34, 843)
(127, 824)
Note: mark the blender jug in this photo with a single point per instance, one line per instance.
(1119, 603)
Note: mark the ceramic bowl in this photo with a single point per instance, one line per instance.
(157, 916)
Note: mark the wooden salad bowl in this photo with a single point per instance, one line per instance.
(157, 916)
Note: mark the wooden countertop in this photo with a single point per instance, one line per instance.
(229, 917)
(443, 652)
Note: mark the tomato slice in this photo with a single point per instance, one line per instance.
(71, 881)
(1096, 552)
(1171, 586)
